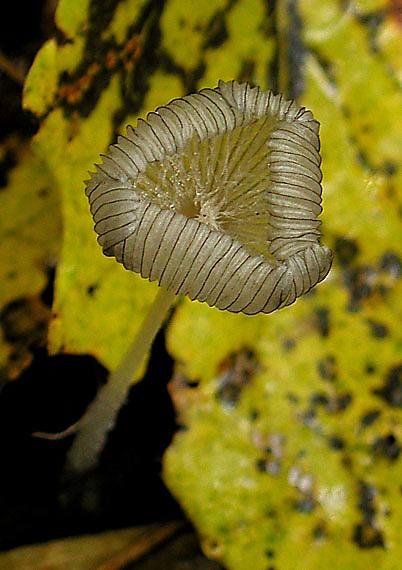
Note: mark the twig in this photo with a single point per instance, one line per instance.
(56, 436)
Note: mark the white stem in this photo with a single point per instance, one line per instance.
(101, 415)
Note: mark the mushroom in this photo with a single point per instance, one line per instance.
(216, 196)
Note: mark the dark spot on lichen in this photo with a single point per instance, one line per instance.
(254, 414)
(217, 32)
(377, 330)
(306, 504)
(270, 553)
(43, 192)
(322, 321)
(247, 70)
(391, 391)
(369, 418)
(366, 281)
(336, 442)
(367, 494)
(91, 289)
(327, 368)
(236, 372)
(289, 344)
(346, 251)
(367, 536)
(341, 401)
(271, 513)
(292, 398)
(366, 533)
(319, 532)
(271, 462)
(361, 154)
(391, 264)
(309, 418)
(319, 399)
(370, 368)
(359, 282)
(260, 465)
(332, 403)
(389, 167)
(387, 447)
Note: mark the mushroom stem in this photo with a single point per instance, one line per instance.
(101, 414)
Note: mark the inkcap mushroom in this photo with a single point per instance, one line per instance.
(215, 196)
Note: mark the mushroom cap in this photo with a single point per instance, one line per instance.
(217, 196)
